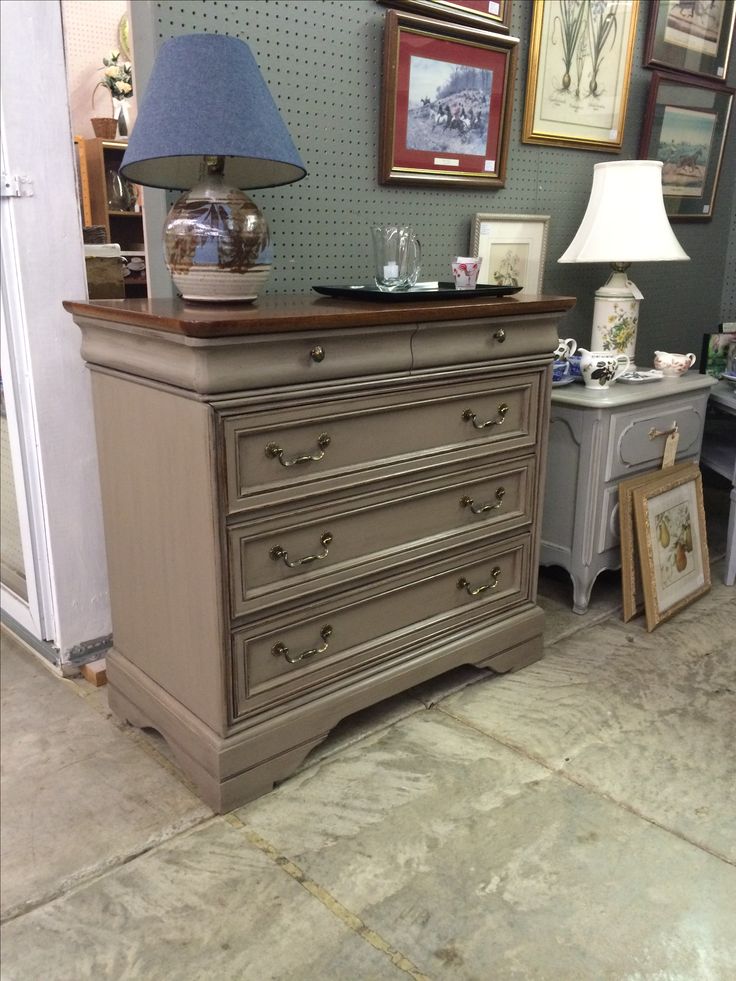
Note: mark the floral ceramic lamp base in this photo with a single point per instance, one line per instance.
(616, 316)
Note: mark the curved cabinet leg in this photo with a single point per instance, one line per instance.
(581, 589)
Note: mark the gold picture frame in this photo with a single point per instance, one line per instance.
(577, 85)
(446, 103)
(491, 15)
(631, 587)
(513, 249)
(673, 549)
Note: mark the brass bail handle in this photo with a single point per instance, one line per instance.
(463, 583)
(274, 451)
(279, 552)
(281, 650)
(470, 416)
(467, 502)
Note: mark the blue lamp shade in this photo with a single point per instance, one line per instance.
(208, 126)
(206, 98)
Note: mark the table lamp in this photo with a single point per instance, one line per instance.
(208, 125)
(625, 222)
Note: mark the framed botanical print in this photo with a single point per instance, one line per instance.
(685, 126)
(446, 103)
(693, 37)
(673, 550)
(492, 15)
(579, 70)
(513, 249)
(631, 587)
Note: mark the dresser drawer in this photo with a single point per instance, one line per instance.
(477, 341)
(291, 560)
(338, 640)
(294, 452)
(632, 446)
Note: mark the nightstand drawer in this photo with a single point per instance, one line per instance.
(634, 444)
(273, 561)
(283, 454)
(287, 659)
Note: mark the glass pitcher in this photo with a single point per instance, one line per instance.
(397, 255)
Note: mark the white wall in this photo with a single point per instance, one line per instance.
(90, 34)
(48, 263)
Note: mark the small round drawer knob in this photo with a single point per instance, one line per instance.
(317, 353)
(500, 335)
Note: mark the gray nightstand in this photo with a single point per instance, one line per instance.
(595, 441)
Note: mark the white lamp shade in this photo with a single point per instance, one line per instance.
(626, 219)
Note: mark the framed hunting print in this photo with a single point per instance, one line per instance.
(446, 103)
(685, 125)
(693, 37)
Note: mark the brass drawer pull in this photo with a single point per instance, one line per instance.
(470, 416)
(495, 576)
(317, 353)
(656, 433)
(278, 552)
(273, 450)
(467, 502)
(500, 335)
(281, 650)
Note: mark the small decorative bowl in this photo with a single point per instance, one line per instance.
(560, 370)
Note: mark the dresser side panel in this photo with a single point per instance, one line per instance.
(157, 474)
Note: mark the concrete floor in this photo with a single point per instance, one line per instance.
(576, 820)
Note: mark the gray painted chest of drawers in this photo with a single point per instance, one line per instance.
(310, 506)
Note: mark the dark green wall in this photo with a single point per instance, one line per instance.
(322, 61)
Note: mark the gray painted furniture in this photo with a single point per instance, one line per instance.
(596, 440)
(719, 453)
(311, 505)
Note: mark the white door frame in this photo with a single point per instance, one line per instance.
(43, 264)
(36, 613)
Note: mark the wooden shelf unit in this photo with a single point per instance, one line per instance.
(97, 158)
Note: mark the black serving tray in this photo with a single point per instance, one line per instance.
(442, 291)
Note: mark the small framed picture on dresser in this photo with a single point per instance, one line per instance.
(513, 249)
(670, 532)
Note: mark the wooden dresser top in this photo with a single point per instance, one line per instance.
(298, 312)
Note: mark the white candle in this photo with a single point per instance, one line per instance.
(391, 270)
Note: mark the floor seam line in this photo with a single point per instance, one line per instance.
(68, 888)
(555, 771)
(341, 912)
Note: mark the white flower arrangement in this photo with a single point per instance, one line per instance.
(118, 76)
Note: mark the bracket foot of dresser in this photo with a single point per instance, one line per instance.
(230, 770)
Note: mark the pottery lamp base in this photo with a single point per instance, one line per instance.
(216, 244)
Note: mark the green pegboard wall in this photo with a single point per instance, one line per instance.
(322, 61)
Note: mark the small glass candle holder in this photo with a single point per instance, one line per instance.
(465, 271)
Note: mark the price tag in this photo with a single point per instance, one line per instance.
(635, 291)
(670, 449)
